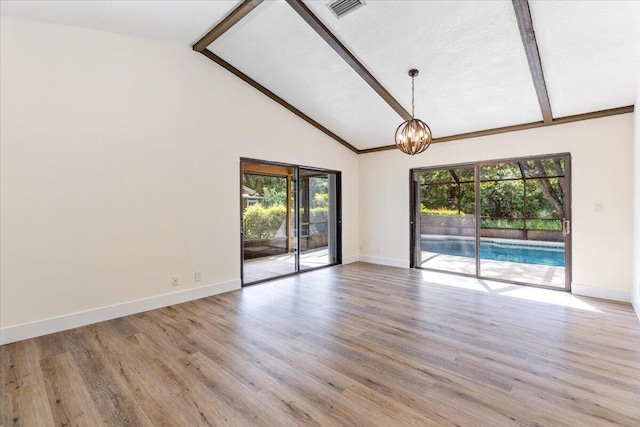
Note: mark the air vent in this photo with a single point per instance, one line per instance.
(343, 7)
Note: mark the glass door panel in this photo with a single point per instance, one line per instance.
(291, 219)
(505, 220)
(317, 218)
(268, 244)
(522, 206)
(445, 220)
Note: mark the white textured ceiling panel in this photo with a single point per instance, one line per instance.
(589, 53)
(183, 22)
(474, 73)
(276, 48)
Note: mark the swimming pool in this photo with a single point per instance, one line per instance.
(529, 253)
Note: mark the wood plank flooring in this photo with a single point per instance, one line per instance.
(350, 345)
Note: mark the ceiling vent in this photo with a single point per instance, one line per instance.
(342, 7)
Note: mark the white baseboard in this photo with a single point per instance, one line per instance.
(392, 262)
(38, 328)
(604, 293)
(350, 259)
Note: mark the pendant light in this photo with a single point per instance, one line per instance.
(413, 136)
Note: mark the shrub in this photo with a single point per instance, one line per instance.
(263, 223)
(439, 211)
(319, 214)
(532, 224)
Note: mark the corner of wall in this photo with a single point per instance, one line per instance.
(635, 289)
(391, 262)
(602, 293)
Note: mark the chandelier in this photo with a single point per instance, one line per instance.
(413, 136)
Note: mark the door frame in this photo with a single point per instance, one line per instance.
(295, 218)
(414, 220)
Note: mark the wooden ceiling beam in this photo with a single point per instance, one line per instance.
(232, 19)
(347, 56)
(495, 131)
(224, 64)
(525, 24)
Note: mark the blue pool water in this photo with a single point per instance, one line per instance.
(499, 251)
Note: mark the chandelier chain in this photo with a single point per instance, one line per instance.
(412, 97)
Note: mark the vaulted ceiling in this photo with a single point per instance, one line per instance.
(485, 66)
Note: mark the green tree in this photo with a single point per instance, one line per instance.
(509, 193)
(274, 197)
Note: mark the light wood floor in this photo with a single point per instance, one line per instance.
(353, 345)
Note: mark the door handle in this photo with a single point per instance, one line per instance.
(566, 227)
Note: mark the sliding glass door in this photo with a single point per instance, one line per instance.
(268, 229)
(317, 219)
(290, 219)
(446, 219)
(523, 207)
(502, 220)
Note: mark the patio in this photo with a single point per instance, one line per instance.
(278, 265)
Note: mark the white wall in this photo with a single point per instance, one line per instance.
(636, 205)
(120, 168)
(602, 168)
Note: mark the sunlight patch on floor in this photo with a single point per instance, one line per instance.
(547, 296)
(550, 297)
(453, 280)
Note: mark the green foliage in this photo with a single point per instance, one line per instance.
(439, 211)
(319, 214)
(274, 197)
(321, 200)
(259, 182)
(318, 185)
(502, 199)
(505, 198)
(532, 224)
(263, 222)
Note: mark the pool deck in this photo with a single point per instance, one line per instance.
(534, 274)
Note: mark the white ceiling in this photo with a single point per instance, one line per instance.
(280, 51)
(183, 22)
(473, 69)
(589, 53)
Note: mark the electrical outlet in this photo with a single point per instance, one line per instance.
(174, 281)
(598, 207)
(198, 276)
